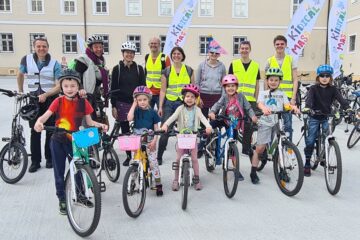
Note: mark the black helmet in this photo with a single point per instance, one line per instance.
(69, 74)
(29, 112)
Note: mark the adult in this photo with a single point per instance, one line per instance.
(289, 83)
(125, 77)
(155, 62)
(247, 72)
(41, 72)
(173, 79)
(208, 77)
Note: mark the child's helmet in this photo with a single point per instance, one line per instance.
(191, 88)
(130, 46)
(142, 90)
(69, 74)
(274, 72)
(229, 79)
(325, 68)
(94, 39)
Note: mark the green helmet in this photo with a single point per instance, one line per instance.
(274, 72)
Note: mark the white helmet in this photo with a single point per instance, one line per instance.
(128, 46)
(95, 39)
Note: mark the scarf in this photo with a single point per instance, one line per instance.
(99, 62)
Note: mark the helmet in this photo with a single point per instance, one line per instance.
(229, 79)
(274, 72)
(324, 69)
(128, 46)
(29, 112)
(191, 88)
(142, 90)
(69, 74)
(94, 39)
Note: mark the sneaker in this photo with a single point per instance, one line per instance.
(160, 161)
(34, 167)
(126, 162)
(307, 171)
(241, 177)
(175, 185)
(62, 207)
(283, 176)
(254, 178)
(49, 163)
(200, 153)
(197, 184)
(159, 191)
(85, 201)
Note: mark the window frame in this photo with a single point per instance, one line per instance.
(206, 16)
(62, 7)
(292, 7)
(64, 46)
(1, 42)
(7, 11)
(206, 42)
(32, 37)
(349, 45)
(137, 42)
(30, 11)
(233, 9)
(245, 38)
(95, 13)
(106, 41)
(159, 9)
(127, 9)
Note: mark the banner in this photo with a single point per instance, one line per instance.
(81, 43)
(302, 23)
(176, 34)
(336, 34)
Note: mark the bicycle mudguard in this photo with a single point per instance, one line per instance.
(86, 138)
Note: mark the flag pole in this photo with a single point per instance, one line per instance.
(327, 33)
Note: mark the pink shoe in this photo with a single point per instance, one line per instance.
(175, 185)
(197, 184)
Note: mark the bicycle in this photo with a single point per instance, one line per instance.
(354, 136)
(302, 90)
(81, 186)
(226, 154)
(139, 176)
(13, 156)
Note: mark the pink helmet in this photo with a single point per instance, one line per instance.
(229, 79)
(142, 90)
(191, 88)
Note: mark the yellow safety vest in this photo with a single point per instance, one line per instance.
(176, 83)
(286, 84)
(153, 72)
(247, 79)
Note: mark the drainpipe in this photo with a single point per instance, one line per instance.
(85, 23)
(327, 33)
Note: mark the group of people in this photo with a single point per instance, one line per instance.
(166, 91)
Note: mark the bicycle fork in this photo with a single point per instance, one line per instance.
(87, 183)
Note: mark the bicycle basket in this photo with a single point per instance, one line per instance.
(186, 141)
(86, 138)
(129, 143)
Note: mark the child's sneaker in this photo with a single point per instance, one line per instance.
(197, 184)
(159, 191)
(254, 178)
(307, 171)
(62, 207)
(175, 185)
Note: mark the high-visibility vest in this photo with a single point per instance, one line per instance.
(286, 84)
(247, 79)
(176, 83)
(44, 78)
(153, 72)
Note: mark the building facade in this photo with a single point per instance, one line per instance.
(228, 21)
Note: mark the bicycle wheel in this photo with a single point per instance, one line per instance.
(111, 164)
(231, 170)
(210, 160)
(134, 191)
(354, 136)
(84, 212)
(13, 162)
(185, 183)
(289, 171)
(333, 168)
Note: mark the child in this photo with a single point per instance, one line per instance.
(319, 99)
(272, 99)
(188, 116)
(231, 104)
(69, 111)
(145, 117)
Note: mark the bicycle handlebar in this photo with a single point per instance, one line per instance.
(57, 129)
(145, 133)
(20, 96)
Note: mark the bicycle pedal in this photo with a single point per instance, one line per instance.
(5, 139)
(102, 187)
(175, 166)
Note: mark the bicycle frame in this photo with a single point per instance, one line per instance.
(185, 157)
(140, 159)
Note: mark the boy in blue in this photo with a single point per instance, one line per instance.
(145, 117)
(319, 99)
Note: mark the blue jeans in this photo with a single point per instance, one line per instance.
(155, 100)
(313, 132)
(287, 118)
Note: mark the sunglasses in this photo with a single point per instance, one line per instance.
(215, 53)
(325, 75)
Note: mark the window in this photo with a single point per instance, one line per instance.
(36, 6)
(206, 8)
(166, 7)
(69, 43)
(352, 43)
(133, 7)
(32, 37)
(101, 7)
(7, 42)
(106, 42)
(295, 5)
(354, 1)
(68, 7)
(5, 5)
(137, 40)
(203, 44)
(240, 8)
(162, 42)
(236, 44)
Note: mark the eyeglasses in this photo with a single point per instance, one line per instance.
(325, 75)
(214, 53)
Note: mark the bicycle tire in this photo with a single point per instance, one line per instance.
(14, 163)
(330, 168)
(209, 162)
(185, 183)
(89, 180)
(282, 178)
(132, 189)
(354, 136)
(233, 154)
(111, 165)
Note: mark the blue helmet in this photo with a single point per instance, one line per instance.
(325, 69)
